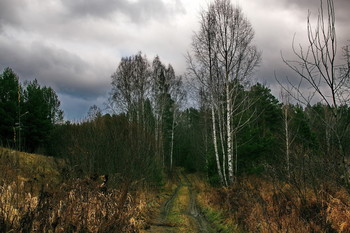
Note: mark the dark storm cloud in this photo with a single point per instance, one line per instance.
(71, 45)
(75, 45)
(65, 72)
(139, 11)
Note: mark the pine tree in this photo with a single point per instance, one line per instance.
(10, 98)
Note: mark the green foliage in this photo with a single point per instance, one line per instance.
(258, 142)
(167, 120)
(301, 126)
(267, 107)
(27, 116)
(189, 144)
(10, 95)
(42, 106)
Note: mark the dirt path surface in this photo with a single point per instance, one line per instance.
(180, 212)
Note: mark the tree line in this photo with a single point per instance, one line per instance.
(238, 128)
(138, 137)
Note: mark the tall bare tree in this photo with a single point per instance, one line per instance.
(319, 65)
(202, 67)
(223, 60)
(130, 86)
(151, 97)
(178, 95)
(167, 95)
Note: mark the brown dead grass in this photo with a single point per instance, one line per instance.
(75, 207)
(259, 205)
(29, 168)
(220, 218)
(33, 198)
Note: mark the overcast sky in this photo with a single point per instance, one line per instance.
(75, 45)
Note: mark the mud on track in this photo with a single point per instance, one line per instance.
(180, 212)
(202, 225)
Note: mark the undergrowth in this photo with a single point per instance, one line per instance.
(35, 197)
(219, 217)
(259, 205)
(78, 206)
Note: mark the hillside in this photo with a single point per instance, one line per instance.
(29, 168)
(37, 195)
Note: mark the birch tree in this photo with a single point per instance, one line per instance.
(223, 60)
(177, 94)
(167, 94)
(130, 86)
(288, 138)
(161, 82)
(202, 67)
(237, 57)
(151, 96)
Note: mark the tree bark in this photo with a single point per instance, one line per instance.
(172, 141)
(216, 145)
(229, 133)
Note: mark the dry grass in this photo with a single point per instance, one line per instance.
(259, 205)
(33, 198)
(29, 168)
(338, 211)
(220, 218)
(75, 207)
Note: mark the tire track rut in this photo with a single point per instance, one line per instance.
(183, 205)
(194, 211)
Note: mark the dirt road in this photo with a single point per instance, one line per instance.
(180, 212)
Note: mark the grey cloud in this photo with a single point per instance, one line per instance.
(140, 11)
(272, 61)
(302, 4)
(302, 7)
(65, 72)
(10, 11)
(105, 30)
(143, 10)
(313, 4)
(342, 7)
(98, 8)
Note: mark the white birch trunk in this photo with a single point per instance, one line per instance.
(156, 136)
(221, 130)
(236, 160)
(229, 134)
(172, 141)
(286, 131)
(215, 145)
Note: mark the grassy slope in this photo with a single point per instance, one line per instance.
(33, 195)
(33, 168)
